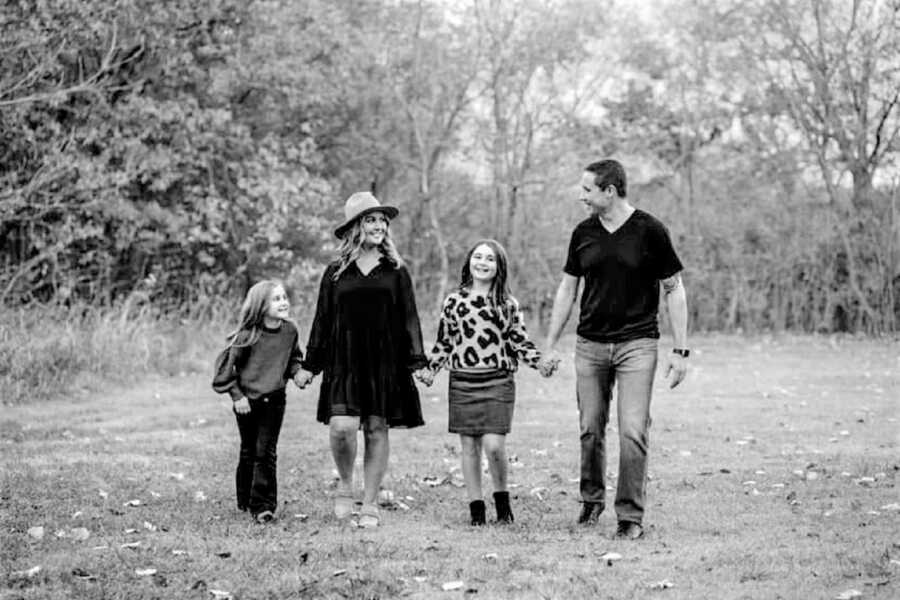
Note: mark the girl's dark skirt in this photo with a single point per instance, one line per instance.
(481, 401)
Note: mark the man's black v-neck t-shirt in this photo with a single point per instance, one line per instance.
(621, 272)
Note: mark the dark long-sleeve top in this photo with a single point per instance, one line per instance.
(262, 368)
(366, 340)
(475, 334)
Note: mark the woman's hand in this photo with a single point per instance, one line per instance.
(424, 375)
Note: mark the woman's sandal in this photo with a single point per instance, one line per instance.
(343, 506)
(369, 516)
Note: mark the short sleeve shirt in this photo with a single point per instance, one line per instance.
(621, 272)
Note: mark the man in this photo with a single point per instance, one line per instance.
(622, 254)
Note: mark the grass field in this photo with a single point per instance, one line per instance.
(774, 474)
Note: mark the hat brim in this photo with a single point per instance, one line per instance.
(390, 212)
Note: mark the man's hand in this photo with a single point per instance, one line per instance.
(676, 369)
(548, 365)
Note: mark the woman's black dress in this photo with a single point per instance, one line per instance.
(366, 341)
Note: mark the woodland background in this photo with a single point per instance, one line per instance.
(161, 156)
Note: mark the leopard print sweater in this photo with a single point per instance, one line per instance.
(473, 333)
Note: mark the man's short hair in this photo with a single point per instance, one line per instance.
(609, 172)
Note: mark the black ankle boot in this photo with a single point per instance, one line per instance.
(476, 511)
(504, 512)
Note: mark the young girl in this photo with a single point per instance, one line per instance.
(263, 353)
(482, 335)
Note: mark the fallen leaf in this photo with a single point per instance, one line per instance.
(82, 574)
(891, 506)
(433, 481)
(610, 557)
(848, 594)
(452, 585)
(36, 532)
(27, 573)
(144, 572)
(661, 585)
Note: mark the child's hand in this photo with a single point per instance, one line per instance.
(242, 406)
(303, 378)
(424, 375)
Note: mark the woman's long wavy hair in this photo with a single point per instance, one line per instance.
(500, 294)
(352, 243)
(253, 313)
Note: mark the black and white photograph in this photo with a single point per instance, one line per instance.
(444, 299)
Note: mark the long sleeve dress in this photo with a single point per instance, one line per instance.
(366, 341)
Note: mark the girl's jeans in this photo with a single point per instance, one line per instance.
(257, 486)
(598, 367)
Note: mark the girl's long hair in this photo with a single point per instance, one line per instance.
(500, 294)
(253, 313)
(352, 243)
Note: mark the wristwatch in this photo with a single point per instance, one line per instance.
(683, 352)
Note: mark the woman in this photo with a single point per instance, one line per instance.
(366, 341)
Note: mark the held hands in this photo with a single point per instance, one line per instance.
(676, 369)
(424, 375)
(303, 378)
(242, 406)
(548, 365)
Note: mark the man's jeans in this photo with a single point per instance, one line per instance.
(598, 367)
(257, 486)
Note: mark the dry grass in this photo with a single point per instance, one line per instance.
(48, 350)
(806, 419)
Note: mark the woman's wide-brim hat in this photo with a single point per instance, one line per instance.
(360, 204)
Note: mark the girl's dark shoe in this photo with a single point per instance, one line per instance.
(476, 511)
(590, 513)
(504, 512)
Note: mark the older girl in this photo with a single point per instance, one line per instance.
(481, 337)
